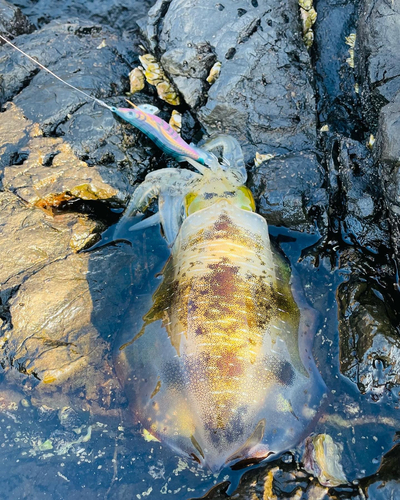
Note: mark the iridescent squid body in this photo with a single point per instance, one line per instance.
(222, 368)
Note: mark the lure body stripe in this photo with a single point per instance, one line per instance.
(163, 135)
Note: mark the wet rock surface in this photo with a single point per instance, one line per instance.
(379, 69)
(289, 192)
(68, 167)
(121, 15)
(372, 360)
(263, 94)
(65, 169)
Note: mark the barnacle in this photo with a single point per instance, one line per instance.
(351, 41)
(176, 121)
(136, 80)
(371, 141)
(306, 4)
(155, 75)
(262, 158)
(323, 459)
(308, 17)
(214, 73)
(167, 93)
(308, 38)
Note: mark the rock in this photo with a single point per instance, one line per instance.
(384, 490)
(273, 483)
(338, 102)
(52, 133)
(62, 327)
(379, 70)
(120, 14)
(52, 174)
(379, 58)
(12, 21)
(30, 239)
(358, 190)
(263, 95)
(387, 140)
(369, 341)
(289, 191)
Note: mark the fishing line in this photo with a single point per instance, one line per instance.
(101, 103)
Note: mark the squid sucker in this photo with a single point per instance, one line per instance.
(221, 367)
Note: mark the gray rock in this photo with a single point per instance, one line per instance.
(379, 68)
(12, 21)
(359, 189)
(369, 343)
(387, 140)
(288, 190)
(120, 14)
(379, 57)
(263, 95)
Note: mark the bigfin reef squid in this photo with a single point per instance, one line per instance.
(221, 368)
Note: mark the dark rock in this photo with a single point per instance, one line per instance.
(369, 341)
(338, 103)
(89, 57)
(263, 95)
(12, 21)
(384, 490)
(388, 140)
(120, 14)
(288, 190)
(379, 69)
(379, 56)
(359, 192)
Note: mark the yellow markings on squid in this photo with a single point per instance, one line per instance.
(246, 197)
(156, 389)
(149, 437)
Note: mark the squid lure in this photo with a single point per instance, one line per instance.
(144, 118)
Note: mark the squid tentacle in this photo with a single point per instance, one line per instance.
(231, 152)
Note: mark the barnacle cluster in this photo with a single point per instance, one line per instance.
(155, 75)
(351, 41)
(308, 17)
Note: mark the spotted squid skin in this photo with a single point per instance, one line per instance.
(221, 369)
